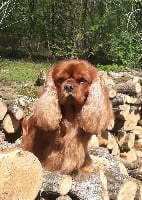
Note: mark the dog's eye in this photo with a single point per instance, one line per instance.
(82, 80)
(60, 80)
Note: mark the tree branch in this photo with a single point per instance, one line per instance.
(6, 8)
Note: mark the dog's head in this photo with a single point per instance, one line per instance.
(72, 80)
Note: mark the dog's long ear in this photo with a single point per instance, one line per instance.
(46, 110)
(97, 110)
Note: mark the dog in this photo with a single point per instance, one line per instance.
(74, 105)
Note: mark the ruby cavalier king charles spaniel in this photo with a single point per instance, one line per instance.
(74, 105)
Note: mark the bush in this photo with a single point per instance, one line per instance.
(125, 49)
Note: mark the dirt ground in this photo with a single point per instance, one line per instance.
(9, 90)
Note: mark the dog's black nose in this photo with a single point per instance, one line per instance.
(69, 87)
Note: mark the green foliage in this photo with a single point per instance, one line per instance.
(126, 49)
(59, 29)
(112, 67)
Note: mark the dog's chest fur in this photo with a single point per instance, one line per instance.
(69, 150)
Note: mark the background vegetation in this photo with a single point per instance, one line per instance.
(101, 31)
(21, 71)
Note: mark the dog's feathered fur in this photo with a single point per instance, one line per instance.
(74, 105)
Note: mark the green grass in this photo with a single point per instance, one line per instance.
(21, 71)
